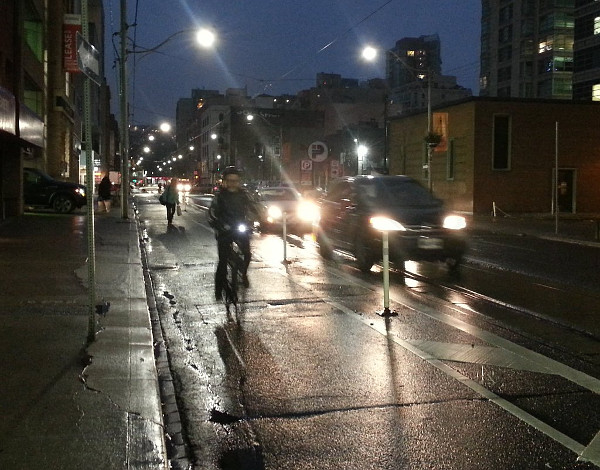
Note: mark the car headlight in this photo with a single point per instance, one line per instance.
(179, 186)
(274, 213)
(80, 191)
(455, 222)
(187, 187)
(308, 211)
(386, 224)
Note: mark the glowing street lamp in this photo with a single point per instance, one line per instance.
(205, 37)
(369, 53)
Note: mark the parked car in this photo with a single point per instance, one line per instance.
(41, 190)
(422, 230)
(275, 201)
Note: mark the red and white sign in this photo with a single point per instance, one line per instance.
(335, 169)
(71, 26)
(306, 165)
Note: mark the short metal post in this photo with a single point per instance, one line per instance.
(284, 235)
(386, 312)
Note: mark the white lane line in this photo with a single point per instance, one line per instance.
(410, 301)
(527, 418)
(591, 453)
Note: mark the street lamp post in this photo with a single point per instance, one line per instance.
(124, 114)
(204, 37)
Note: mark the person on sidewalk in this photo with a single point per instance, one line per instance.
(171, 196)
(104, 195)
(230, 207)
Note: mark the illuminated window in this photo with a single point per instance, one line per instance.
(596, 92)
(597, 25)
(410, 53)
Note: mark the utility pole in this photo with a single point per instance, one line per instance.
(124, 114)
(430, 147)
(89, 187)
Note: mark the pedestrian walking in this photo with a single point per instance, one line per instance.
(104, 194)
(171, 197)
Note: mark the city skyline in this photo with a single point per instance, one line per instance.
(276, 47)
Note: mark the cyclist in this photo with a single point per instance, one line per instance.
(231, 207)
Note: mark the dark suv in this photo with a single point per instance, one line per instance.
(423, 230)
(39, 189)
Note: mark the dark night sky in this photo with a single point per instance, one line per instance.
(278, 46)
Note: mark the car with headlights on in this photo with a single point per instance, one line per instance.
(280, 201)
(41, 190)
(418, 226)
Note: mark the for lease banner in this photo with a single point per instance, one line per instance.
(71, 26)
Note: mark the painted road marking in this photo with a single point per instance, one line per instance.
(520, 356)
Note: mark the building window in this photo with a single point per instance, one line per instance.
(562, 86)
(450, 161)
(596, 92)
(501, 144)
(597, 25)
(504, 92)
(504, 74)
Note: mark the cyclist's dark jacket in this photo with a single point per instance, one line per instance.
(228, 209)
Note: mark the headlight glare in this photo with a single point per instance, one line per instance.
(386, 224)
(274, 212)
(308, 211)
(455, 222)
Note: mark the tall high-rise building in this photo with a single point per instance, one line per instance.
(414, 75)
(413, 59)
(527, 48)
(586, 76)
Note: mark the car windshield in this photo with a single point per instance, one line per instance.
(278, 194)
(396, 192)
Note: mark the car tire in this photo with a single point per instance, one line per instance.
(325, 249)
(453, 265)
(364, 255)
(63, 204)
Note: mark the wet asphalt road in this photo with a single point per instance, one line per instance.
(308, 376)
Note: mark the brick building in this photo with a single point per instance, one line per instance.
(504, 151)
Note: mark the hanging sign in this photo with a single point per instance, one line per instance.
(71, 26)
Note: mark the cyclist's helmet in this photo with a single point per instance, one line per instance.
(231, 170)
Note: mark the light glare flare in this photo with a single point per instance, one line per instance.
(205, 37)
(455, 222)
(369, 53)
(385, 224)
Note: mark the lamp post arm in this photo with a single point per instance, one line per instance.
(147, 50)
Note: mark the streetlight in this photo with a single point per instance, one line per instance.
(204, 37)
(369, 53)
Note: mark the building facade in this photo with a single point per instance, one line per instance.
(493, 148)
(586, 74)
(22, 91)
(41, 102)
(527, 48)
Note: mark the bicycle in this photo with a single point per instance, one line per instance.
(235, 264)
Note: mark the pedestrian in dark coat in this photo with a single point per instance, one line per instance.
(171, 196)
(104, 195)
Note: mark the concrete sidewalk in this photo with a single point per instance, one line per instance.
(66, 405)
(571, 228)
